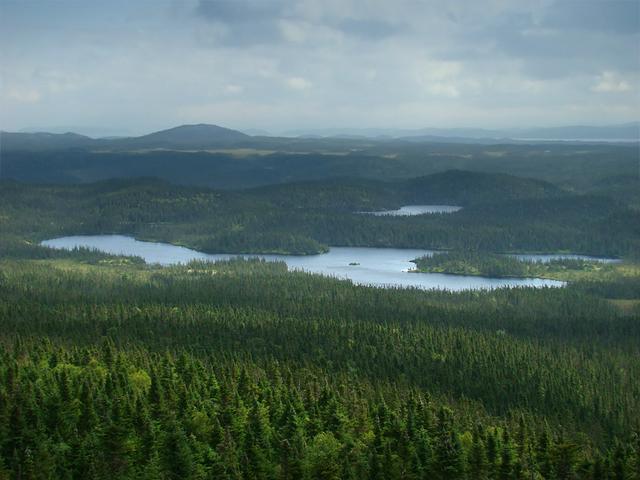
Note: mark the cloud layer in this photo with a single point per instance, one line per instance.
(276, 65)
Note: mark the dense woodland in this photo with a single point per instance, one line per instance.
(243, 370)
(236, 161)
(469, 262)
(501, 214)
(112, 368)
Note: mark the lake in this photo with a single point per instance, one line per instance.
(416, 210)
(380, 267)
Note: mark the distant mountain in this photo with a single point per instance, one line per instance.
(209, 137)
(200, 136)
(309, 136)
(186, 136)
(627, 131)
(43, 141)
(454, 139)
(621, 132)
(93, 131)
(257, 132)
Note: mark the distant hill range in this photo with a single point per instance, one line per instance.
(187, 136)
(621, 132)
(203, 136)
(200, 136)
(43, 141)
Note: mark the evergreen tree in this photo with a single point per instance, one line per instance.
(478, 463)
(322, 458)
(178, 458)
(543, 455)
(564, 460)
(506, 458)
(449, 454)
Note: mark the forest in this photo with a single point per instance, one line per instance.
(469, 262)
(501, 213)
(243, 370)
(232, 163)
(320, 240)
(114, 368)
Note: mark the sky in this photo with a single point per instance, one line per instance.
(123, 67)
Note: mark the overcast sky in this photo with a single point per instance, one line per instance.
(128, 67)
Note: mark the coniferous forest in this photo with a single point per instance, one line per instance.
(114, 368)
(319, 240)
(244, 370)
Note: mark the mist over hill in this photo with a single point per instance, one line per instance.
(206, 136)
(621, 132)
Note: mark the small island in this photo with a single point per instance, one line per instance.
(484, 264)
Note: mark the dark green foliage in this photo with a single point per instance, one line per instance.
(242, 370)
(16, 247)
(457, 187)
(512, 215)
(473, 263)
(110, 368)
(470, 262)
(275, 160)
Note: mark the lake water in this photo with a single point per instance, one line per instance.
(416, 210)
(381, 267)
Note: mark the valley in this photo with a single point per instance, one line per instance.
(319, 240)
(254, 297)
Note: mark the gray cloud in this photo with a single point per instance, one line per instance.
(618, 17)
(241, 23)
(368, 28)
(240, 11)
(561, 39)
(252, 22)
(283, 64)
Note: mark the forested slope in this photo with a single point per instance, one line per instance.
(501, 213)
(242, 370)
(263, 161)
(110, 368)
